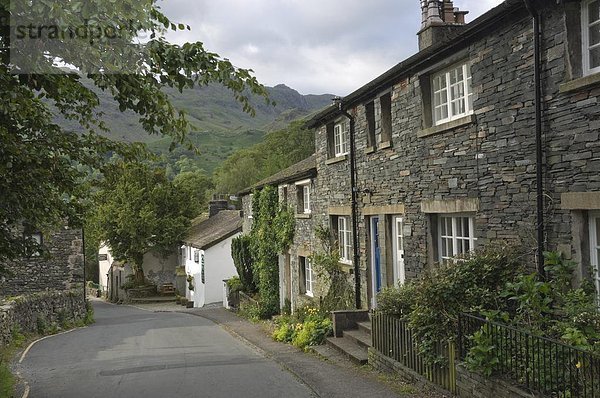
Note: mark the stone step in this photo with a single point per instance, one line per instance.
(327, 352)
(364, 326)
(348, 347)
(360, 337)
(156, 299)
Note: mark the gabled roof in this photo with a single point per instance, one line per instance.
(428, 56)
(303, 169)
(208, 232)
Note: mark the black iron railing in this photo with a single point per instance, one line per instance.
(536, 363)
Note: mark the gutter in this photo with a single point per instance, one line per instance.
(539, 152)
(354, 212)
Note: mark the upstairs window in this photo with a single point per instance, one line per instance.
(341, 138)
(379, 120)
(456, 236)
(303, 189)
(452, 94)
(591, 36)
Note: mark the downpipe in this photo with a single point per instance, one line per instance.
(536, 19)
(354, 208)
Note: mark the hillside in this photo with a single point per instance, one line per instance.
(220, 125)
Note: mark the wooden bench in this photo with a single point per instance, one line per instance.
(167, 289)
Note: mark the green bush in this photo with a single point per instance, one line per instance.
(243, 261)
(432, 304)
(235, 284)
(398, 301)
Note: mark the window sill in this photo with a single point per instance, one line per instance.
(384, 145)
(463, 121)
(337, 159)
(309, 294)
(369, 149)
(581, 82)
(303, 215)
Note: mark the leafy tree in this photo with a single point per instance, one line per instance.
(139, 210)
(279, 150)
(39, 159)
(197, 186)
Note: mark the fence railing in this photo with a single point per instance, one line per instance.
(393, 338)
(537, 363)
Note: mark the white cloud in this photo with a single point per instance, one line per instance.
(314, 46)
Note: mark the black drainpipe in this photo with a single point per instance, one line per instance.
(536, 16)
(354, 211)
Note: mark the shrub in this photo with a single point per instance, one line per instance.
(398, 301)
(309, 326)
(243, 261)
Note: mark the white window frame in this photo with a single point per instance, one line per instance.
(594, 249)
(341, 138)
(446, 97)
(398, 247)
(344, 239)
(457, 241)
(304, 196)
(309, 282)
(585, 37)
(197, 256)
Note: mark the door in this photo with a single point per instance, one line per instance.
(375, 261)
(595, 250)
(398, 242)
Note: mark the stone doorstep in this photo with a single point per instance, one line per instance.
(156, 299)
(359, 337)
(348, 347)
(365, 327)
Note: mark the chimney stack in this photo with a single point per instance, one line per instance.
(439, 18)
(215, 206)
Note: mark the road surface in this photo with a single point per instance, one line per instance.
(133, 353)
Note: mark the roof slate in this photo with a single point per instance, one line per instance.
(303, 169)
(208, 232)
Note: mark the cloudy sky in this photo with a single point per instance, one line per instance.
(313, 46)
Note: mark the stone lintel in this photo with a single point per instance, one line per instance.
(463, 205)
(339, 210)
(580, 201)
(387, 209)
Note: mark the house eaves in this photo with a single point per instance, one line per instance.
(306, 168)
(460, 39)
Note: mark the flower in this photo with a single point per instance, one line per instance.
(578, 365)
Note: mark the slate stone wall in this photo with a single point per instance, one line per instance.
(61, 269)
(50, 307)
(472, 385)
(489, 158)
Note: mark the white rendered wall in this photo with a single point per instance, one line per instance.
(104, 266)
(218, 266)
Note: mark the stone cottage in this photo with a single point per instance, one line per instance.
(58, 268)
(298, 282)
(488, 135)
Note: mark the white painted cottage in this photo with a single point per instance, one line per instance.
(206, 255)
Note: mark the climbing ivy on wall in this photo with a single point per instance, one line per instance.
(272, 231)
(340, 295)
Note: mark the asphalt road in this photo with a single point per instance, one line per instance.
(133, 353)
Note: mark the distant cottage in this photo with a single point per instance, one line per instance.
(206, 254)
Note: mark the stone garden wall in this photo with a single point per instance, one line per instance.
(25, 313)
